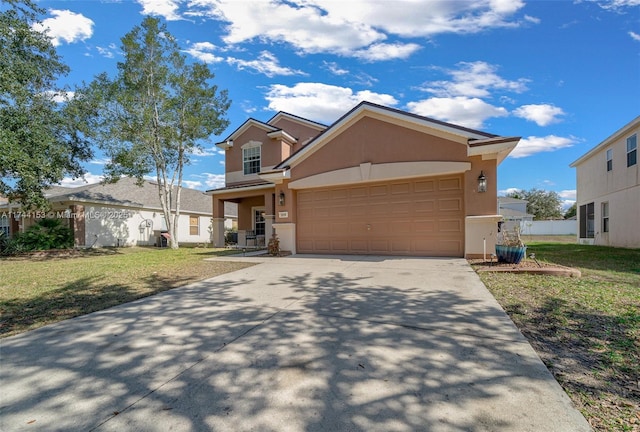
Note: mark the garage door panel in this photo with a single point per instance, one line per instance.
(379, 246)
(425, 206)
(339, 228)
(359, 246)
(400, 246)
(449, 184)
(424, 186)
(339, 194)
(424, 226)
(416, 217)
(340, 211)
(401, 189)
(450, 225)
(358, 192)
(450, 204)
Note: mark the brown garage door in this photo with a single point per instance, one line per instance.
(423, 217)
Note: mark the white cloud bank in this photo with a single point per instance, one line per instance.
(542, 114)
(532, 145)
(321, 102)
(66, 26)
(354, 28)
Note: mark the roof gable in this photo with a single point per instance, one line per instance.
(401, 118)
(228, 142)
(125, 192)
(609, 140)
(297, 119)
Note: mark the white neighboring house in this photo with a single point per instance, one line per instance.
(117, 214)
(514, 212)
(608, 190)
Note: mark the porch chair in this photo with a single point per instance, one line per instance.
(251, 235)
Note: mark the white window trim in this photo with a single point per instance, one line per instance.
(605, 215)
(247, 146)
(197, 225)
(609, 158)
(635, 149)
(253, 217)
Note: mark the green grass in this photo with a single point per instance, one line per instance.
(39, 290)
(586, 330)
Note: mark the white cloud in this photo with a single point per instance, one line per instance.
(321, 102)
(164, 8)
(533, 20)
(88, 178)
(211, 181)
(107, 52)
(266, 64)
(203, 51)
(355, 27)
(505, 192)
(384, 51)
(192, 184)
(204, 152)
(568, 194)
(635, 36)
(334, 68)
(463, 111)
(101, 161)
(532, 145)
(66, 26)
(474, 79)
(59, 96)
(541, 114)
(616, 5)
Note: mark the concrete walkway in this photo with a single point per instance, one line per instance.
(293, 344)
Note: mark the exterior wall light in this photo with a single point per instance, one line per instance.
(482, 182)
(281, 198)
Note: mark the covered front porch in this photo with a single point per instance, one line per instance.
(256, 214)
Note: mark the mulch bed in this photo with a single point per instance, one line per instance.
(528, 266)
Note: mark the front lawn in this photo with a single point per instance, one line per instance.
(586, 330)
(42, 289)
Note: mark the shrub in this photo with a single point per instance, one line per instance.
(45, 234)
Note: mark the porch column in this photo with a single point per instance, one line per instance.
(217, 222)
(269, 215)
(78, 225)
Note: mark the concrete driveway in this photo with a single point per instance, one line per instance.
(293, 344)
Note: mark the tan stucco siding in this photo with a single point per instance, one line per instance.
(374, 141)
(297, 130)
(593, 179)
(233, 156)
(485, 203)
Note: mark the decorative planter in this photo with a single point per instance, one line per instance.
(510, 254)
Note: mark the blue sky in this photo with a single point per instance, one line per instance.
(563, 75)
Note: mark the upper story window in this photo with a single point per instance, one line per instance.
(609, 159)
(251, 160)
(194, 225)
(632, 150)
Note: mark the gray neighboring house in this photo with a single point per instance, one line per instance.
(117, 214)
(514, 212)
(608, 190)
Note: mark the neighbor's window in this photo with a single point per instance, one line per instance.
(251, 160)
(609, 159)
(194, 226)
(632, 150)
(4, 224)
(605, 217)
(587, 226)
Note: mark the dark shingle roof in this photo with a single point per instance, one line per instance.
(126, 193)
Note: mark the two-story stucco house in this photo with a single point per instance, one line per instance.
(608, 190)
(377, 181)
